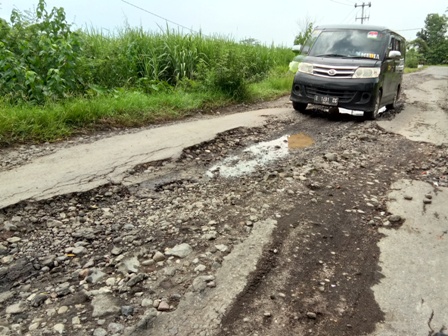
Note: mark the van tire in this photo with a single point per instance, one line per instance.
(394, 104)
(300, 107)
(372, 115)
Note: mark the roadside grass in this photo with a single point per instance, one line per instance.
(277, 84)
(54, 121)
(85, 80)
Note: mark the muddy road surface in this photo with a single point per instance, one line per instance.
(262, 222)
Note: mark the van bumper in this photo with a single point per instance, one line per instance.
(352, 94)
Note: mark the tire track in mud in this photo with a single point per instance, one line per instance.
(317, 275)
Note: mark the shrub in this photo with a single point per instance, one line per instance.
(39, 58)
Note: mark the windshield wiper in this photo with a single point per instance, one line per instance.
(363, 57)
(331, 55)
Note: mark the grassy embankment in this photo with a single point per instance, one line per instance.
(57, 82)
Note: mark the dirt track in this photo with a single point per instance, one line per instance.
(325, 184)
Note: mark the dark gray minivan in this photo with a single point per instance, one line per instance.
(356, 67)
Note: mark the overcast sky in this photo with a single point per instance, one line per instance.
(268, 21)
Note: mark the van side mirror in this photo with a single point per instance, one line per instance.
(298, 48)
(394, 54)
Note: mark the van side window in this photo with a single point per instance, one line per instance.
(391, 43)
(396, 44)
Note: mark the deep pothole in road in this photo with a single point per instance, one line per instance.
(60, 256)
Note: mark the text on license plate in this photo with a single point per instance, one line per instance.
(326, 100)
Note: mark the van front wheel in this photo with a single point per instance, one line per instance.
(372, 115)
(393, 106)
(300, 107)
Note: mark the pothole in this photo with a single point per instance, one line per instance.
(259, 155)
(299, 140)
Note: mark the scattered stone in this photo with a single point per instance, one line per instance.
(408, 197)
(100, 332)
(147, 303)
(427, 201)
(200, 268)
(331, 157)
(111, 282)
(311, 315)
(163, 306)
(62, 310)
(16, 308)
(181, 250)
(13, 240)
(212, 235)
(129, 265)
(394, 218)
(127, 310)
(158, 256)
(33, 326)
(59, 328)
(79, 250)
(136, 279)
(116, 251)
(222, 247)
(8, 259)
(200, 282)
(211, 284)
(115, 328)
(3, 249)
(148, 262)
(428, 196)
(95, 276)
(104, 305)
(5, 296)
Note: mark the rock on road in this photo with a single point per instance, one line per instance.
(256, 223)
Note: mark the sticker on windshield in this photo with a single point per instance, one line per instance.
(368, 55)
(372, 35)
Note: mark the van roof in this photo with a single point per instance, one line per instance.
(358, 27)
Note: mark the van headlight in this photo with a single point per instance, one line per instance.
(306, 68)
(367, 73)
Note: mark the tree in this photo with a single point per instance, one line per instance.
(250, 41)
(435, 46)
(306, 28)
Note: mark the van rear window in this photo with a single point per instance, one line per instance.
(349, 43)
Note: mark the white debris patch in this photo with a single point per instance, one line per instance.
(251, 159)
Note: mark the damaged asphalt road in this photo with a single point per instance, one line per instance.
(256, 223)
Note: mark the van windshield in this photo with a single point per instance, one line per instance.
(349, 44)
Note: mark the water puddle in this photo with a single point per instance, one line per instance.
(299, 140)
(258, 155)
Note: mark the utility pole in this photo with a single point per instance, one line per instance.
(362, 15)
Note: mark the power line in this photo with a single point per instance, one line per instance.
(161, 17)
(409, 29)
(349, 15)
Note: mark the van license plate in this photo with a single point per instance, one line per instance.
(326, 100)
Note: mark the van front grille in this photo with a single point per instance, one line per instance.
(344, 96)
(332, 71)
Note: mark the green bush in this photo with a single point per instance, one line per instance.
(39, 59)
(42, 59)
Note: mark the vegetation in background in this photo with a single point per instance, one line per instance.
(55, 80)
(431, 44)
(306, 29)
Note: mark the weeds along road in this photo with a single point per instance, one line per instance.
(257, 223)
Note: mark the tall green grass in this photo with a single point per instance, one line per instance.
(56, 81)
